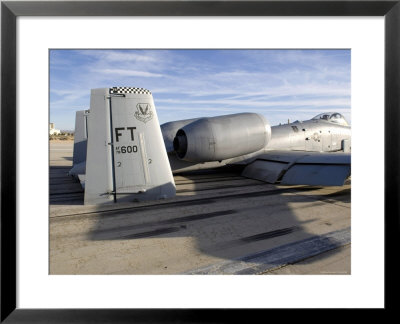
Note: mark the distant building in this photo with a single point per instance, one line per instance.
(54, 131)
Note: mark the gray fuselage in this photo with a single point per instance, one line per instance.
(314, 135)
(310, 135)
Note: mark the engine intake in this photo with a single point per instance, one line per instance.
(180, 143)
(222, 137)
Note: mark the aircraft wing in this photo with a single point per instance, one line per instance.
(299, 167)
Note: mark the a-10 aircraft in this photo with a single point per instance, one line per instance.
(122, 154)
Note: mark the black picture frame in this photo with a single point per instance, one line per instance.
(10, 10)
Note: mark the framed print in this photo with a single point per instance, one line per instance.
(33, 31)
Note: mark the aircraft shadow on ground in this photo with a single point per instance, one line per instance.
(64, 189)
(228, 226)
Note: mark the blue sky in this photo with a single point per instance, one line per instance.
(279, 84)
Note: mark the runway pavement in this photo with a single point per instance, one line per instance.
(219, 223)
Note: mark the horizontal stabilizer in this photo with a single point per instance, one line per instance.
(81, 178)
(77, 169)
(299, 167)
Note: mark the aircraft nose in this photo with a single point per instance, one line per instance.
(180, 143)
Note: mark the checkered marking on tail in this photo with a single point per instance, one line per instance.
(129, 90)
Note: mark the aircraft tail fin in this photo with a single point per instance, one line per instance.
(80, 144)
(126, 158)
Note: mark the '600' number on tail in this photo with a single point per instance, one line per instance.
(126, 149)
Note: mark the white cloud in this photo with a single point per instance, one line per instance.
(129, 73)
(328, 102)
(263, 81)
(117, 56)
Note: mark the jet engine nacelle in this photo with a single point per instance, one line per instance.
(222, 137)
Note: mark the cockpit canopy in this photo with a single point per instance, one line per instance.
(332, 117)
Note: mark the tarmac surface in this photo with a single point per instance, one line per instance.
(219, 223)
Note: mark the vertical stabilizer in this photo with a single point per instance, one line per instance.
(126, 156)
(80, 143)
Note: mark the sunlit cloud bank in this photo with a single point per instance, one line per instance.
(280, 84)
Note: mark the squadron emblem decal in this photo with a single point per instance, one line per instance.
(143, 112)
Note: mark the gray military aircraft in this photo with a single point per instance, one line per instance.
(122, 154)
